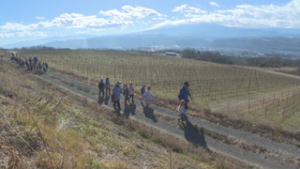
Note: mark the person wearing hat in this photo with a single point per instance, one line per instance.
(184, 94)
(35, 59)
(101, 88)
(107, 85)
(117, 91)
(131, 92)
(147, 96)
(143, 90)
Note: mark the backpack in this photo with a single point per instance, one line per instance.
(112, 98)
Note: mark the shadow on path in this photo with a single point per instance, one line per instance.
(192, 134)
(117, 111)
(129, 110)
(149, 113)
(100, 100)
(106, 99)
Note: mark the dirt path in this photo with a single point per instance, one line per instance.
(276, 156)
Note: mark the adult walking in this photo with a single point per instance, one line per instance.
(125, 93)
(35, 59)
(143, 90)
(131, 92)
(107, 85)
(46, 64)
(117, 91)
(147, 96)
(12, 56)
(44, 67)
(101, 87)
(184, 94)
(27, 64)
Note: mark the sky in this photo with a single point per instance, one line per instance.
(35, 19)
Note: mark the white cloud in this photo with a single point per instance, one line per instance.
(68, 21)
(30, 33)
(145, 23)
(188, 9)
(41, 18)
(93, 23)
(214, 4)
(265, 16)
(128, 12)
(7, 35)
(158, 18)
(92, 30)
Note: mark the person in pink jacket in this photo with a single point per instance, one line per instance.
(147, 96)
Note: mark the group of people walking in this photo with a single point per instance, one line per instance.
(128, 93)
(31, 64)
(127, 90)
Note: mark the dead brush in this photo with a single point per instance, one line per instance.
(84, 101)
(12, 153)
(59, 162)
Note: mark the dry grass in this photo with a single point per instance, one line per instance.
(81, 134)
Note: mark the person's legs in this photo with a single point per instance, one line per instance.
(118, 104)
(132, 97)
(102, 90)
(148, 103)
(125, 98)
(186, 106)
(142, 97)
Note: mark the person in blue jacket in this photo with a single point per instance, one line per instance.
(117, 91)
(35, 59)
(107, 85)
(184, 94)
(46, 64)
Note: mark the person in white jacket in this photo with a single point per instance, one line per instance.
(182, 111)
(131, 92)
(147, 96)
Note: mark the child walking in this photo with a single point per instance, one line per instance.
(182, 111)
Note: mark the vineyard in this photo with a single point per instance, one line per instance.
(276, 109)
(209, 82)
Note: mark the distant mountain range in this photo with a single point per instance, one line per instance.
(190, 35)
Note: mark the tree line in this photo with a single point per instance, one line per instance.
(270, 60)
